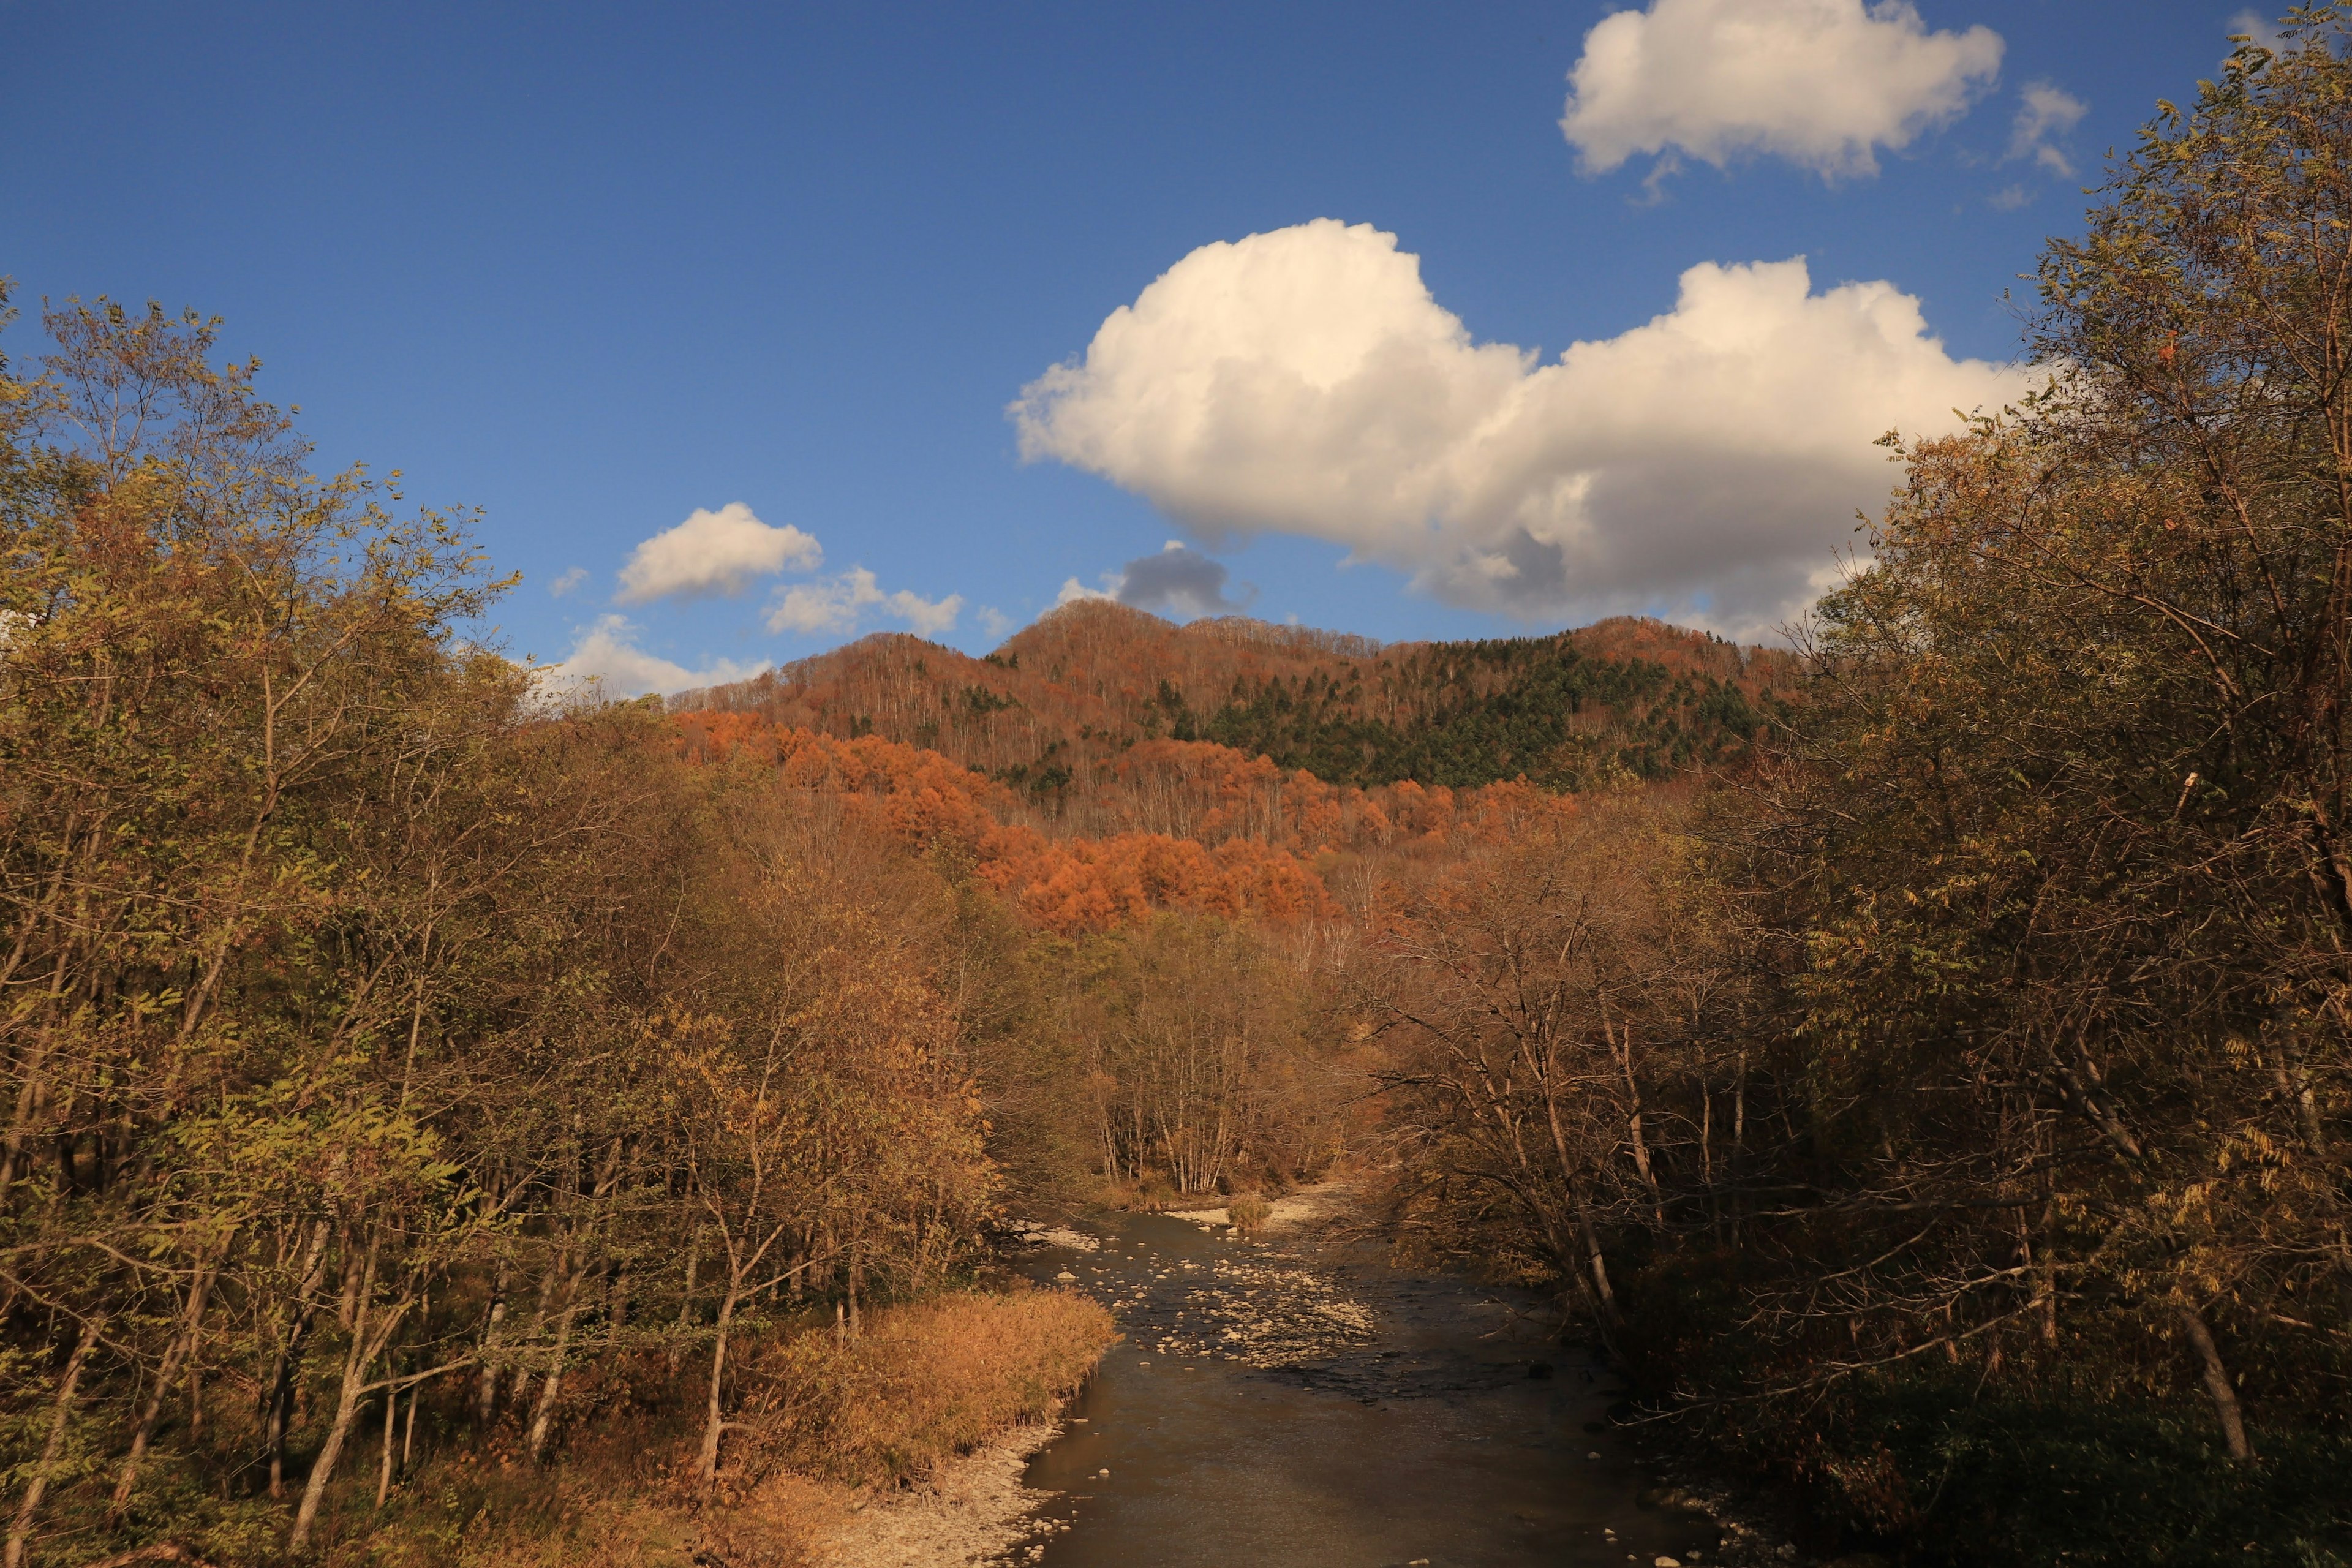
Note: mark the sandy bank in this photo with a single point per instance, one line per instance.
(973, 1510)
(1293, 1211)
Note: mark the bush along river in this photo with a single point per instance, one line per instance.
(1283, 1406)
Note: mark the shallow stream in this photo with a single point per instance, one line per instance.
(1271, 1408)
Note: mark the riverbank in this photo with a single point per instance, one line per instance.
(1449, 1377)
(1293, 1400)
(902, 1445)
(973, 1509)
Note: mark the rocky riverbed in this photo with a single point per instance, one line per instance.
(1291, 1404)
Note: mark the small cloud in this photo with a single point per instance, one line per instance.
(813, 608)
(925, 617)
(2009, 199)
(714, 553)
(1822, 83)
(838, 604)
(994, 621)
(1179, 581)
(1073, 590)
(605, 659)
(568, 581)
(2261, 31)
(2044, 110)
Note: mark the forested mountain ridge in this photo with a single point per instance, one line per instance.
(1054, 709)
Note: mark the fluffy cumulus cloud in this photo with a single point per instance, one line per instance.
(608, 659)
(714, 553)
(2045, 112)
(1822, 83)
(1179, 581)
(837, 604)
(1705, 463)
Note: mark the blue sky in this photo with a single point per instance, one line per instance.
(594, 268)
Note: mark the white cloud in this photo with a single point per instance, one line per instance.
(994, 621)
(714, 553)
(925, 617)
(837, 604)
(569, 581)
(607, 657)
(1073, 590)
(2258, 28)
(2044, 110)
(1705, 463)
(813, 608)
(1822, 83)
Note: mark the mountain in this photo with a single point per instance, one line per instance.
(1058, 711)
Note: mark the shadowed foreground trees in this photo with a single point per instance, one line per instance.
(2026, 992)
(371, 1032)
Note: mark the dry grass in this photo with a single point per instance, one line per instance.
(925, 1383)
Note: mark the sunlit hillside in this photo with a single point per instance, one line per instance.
(1067, 710)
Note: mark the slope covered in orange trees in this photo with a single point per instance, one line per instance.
(1198, 826)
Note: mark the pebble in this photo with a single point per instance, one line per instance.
(1065, 1277)
(1666, 1563)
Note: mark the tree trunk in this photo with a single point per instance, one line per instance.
(485, 1394)
(323, 1469)
(384, 1462)
(282, 1375)
(542, 1414)
(538, 1316)
(2294, 1087)
(2217, 1383)
(370, 1331)
(713, 1426)
(20, 1530)
(686, 1297)
(183, 1346)
(856, 1286)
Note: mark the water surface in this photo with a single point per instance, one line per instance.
(1271, 1409)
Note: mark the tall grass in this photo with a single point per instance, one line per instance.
(924, 1382)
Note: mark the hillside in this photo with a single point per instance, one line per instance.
(1059, 712)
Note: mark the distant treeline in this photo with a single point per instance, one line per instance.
(1482, 712)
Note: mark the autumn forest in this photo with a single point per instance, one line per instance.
(442, 1101)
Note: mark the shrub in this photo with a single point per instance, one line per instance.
(925, 1383)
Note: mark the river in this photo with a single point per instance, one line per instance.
(1274, 1408)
